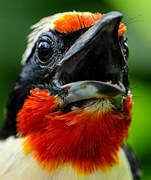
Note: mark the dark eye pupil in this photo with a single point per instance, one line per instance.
(125, 50)
(44, 51)
(124, 46)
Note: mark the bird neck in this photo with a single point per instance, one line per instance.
(86, 139)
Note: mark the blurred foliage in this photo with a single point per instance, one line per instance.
(17, 16)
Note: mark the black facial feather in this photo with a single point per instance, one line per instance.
(39, 72)
(35, 74)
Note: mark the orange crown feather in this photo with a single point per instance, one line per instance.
(72, 22)
(64, 23)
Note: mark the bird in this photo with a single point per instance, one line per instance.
(69, 112)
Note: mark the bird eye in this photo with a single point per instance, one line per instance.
(123, 42)
(44, 51)
(125, 50)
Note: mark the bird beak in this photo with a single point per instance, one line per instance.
(102, 41)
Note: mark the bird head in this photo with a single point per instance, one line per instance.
(73, 93)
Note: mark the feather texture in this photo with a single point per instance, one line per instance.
(16, 165)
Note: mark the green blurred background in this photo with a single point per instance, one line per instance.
(17, 16)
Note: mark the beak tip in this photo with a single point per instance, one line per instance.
(111, 17)
(115, 15)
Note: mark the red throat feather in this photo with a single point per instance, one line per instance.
(72, 22)
(86, 140)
